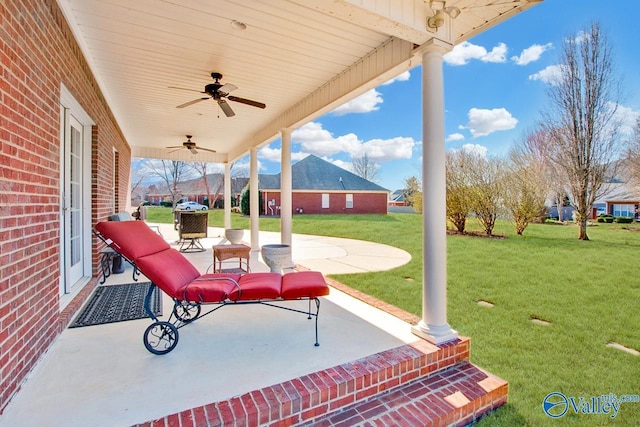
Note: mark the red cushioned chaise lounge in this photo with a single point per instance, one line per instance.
(170, 271)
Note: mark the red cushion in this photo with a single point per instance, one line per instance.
(169, 270)
(258, 286)
(210, 287)
(304, 284)
(133, 239)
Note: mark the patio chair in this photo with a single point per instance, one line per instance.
(170, 271)
(192, 226)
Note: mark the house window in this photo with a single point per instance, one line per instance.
(325, 201)
(623, 210)
(349, 201)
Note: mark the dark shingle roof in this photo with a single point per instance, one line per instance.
(313, 173)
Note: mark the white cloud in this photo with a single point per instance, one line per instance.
(475, 148)
(581, 36)
(551, 75)
(626, 118)
(365, 103)
(483, 122)
(274, 154)
(531, 54)
(340, 163)
(316, 140)
(455, 137)
(465, 51)
(381, 150)
(403, 77)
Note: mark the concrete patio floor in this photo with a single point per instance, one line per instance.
(103, 376)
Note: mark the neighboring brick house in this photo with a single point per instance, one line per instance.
(619, 199)
(59, 138)
(320, 187)
(194, 190)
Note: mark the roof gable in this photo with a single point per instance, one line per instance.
(314, 173)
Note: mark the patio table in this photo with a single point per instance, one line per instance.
(225, 252)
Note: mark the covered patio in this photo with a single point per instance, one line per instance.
(103, 376)
(91, 84)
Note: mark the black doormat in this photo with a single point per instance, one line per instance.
(117, 303)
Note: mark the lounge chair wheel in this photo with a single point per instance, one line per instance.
(186, 311)
(160, 337)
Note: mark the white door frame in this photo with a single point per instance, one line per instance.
(71, 109)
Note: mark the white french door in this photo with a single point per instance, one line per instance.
(72, 221)
(75, 197)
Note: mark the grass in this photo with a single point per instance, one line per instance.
(588, 291)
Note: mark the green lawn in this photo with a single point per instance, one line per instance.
(589, 291)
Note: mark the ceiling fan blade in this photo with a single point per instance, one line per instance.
(184, 88)
(173, 151)
(226, 108)
(228, 88)
(205, 149)
(175, 146)
(186, 104)
(193, 150)
(246, 101)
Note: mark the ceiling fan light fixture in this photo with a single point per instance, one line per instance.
(238, 25)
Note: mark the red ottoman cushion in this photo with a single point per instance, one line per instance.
(304, 284)
(258, 286)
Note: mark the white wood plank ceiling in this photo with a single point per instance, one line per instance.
(300, 57)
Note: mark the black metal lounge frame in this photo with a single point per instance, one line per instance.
(162, 336)
(219, 290)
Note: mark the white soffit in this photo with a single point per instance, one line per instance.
(301, 58)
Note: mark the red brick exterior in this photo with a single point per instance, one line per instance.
(311, 202)
(38, 53)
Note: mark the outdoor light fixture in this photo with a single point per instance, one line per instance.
(437, 20)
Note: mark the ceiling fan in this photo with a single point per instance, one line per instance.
(218, 92)
(189, 145)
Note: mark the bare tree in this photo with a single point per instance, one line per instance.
(364, 167)
(633, 156)
(412, 185)
(458, 163)
(203, 170)
(172, 173)
(581, 123)
(486, 180)
(525, 188)
(537, 146)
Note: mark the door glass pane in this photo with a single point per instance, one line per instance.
(75, 199)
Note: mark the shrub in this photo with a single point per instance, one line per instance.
(623, 219)
(605, 218)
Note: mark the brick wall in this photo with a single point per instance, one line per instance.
(311, 202)
(37, 54)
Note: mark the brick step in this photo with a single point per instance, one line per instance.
(365, 386)
(457, 396)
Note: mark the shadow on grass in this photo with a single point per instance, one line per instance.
(505, 416)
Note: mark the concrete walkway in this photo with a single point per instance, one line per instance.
(330, 255)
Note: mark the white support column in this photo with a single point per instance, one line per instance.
(254, 201)
(433, 326)
(227, 195)
(286, 206)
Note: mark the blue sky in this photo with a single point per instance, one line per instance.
(495, 89)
